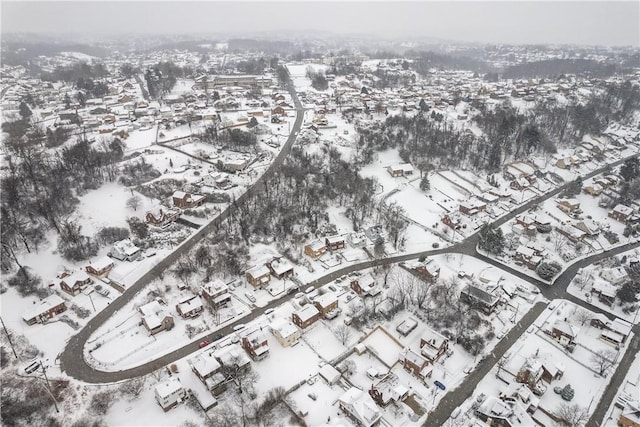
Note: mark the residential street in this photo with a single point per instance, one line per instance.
(457, 396)
(72, 361)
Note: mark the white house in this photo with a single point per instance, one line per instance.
(125, 250)
(169, 393)
(360, 407)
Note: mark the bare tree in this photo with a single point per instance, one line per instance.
(134, 387)
(559, 242)
(420, 294)
(603, 360)
(343, 333)
(583, 278)
(134, 202)
(571, 415)
(582, 315)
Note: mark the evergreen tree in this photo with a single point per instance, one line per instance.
(425, 185)
(25, 111)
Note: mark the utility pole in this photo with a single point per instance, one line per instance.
(44, 372)
(9, 338)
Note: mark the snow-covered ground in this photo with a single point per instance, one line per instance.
(578, 368)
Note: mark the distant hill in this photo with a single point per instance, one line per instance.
(556, 67)
(20, 53)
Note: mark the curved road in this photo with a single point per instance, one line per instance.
(72, 359)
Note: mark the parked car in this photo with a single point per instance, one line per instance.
(204, 343)
(32, 367)
(439, 385)
(250, 297)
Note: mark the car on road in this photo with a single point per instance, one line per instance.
(455, 413)
(440, 385)
(204, 343)
(531, 329)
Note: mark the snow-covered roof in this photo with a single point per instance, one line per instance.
(620, 326)
(77, 276)
(623, 209)
(258, 270)
(361, 406)
(307, 312)
(316, 245)
(204, 364)
(326, 300)
(191, 304)
(334, 239)
(281, 266)
(126, 246)
(564, 327)
(46, 304)
(101, 263)
(329, 373)
(169, 387)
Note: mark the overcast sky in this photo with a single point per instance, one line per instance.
(584, 22)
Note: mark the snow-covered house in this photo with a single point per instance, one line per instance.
(155, 318)
(315, 249)
(479, 298)
(285, 332)
(190, 306)
(429, 270)
(169, 393)
(216, 293)
(280, 268)
(359, 407)
(327, 305)
(614, 275)
(233, 355)
(101, 267)
(415, 363)
(400, 169)
(217, 179)
(125, 250)
(568, 206)
(563, 331)
(185, 200)
(433, 345)
(520, 393)
(472, 207)
(163, 217)
(621, 213)
(387, 390)
(509, 413)
(334, 243)
(605, 291)
(255, 344)
(258, 276)
(75, 283)
(365, 285)
(44, 311)
(306, 316)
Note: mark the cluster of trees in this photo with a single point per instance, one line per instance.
(559, 67)
(40, 187)
(424, 62)
(76, 72)
(318, 79)
(491, 239)
(162, 77)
